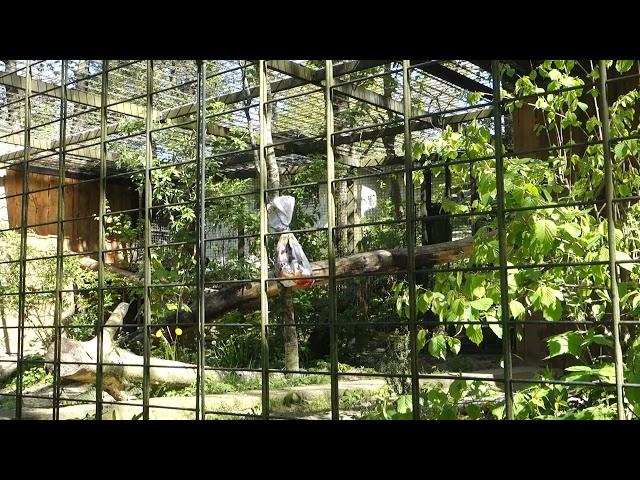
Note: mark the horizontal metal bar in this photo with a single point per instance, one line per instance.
(566, 146)
(122, 212)
(613, 140)
(211, 283)
(299, 230)
(339, 84)
(236, 237)
(285, 279)
(174, 87)
(229, 195)
(171, 205)
(424, 64)
(370, 224)
(555, 205)
(367, 127)
(505, 101)
(431, 218)
(233, 152)
(124, 174)
(294, 140)
(128, 100)
(399, 171)
(233, 110)
(295, 95)
(172, 285)
(171, 165)
(448, 163)
(171, 244)
(234, 414)
(523, 266)
(291, 187)
(441, 113)
(7, 74)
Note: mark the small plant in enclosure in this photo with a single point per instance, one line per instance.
(169, 347)
(396, 362)
(463, 399)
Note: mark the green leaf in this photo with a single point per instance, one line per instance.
(478, 292)
(545, 296)
(404, 405)
(496, 328)
(555, 74)
(454, 344)
(474, 333)
(474, 411)
(516, 309)
(602, 340)
(623, 65)
(545, 232)
(624, 256)
(482, 304)
(457, 389)
(421, 339)
(568, 342)
(438, 346)
(553, 313)
(422, 305)
(572, 229)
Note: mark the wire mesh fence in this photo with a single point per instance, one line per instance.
(470, 229)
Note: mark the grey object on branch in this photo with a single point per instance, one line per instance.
(280, 213)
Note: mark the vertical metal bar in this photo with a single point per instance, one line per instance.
(148, 200)
(411, 240)
(611, 234)
(502, 241)
(264, 271)
(101, 236)
(57, 318)
(200, 245)
(331, 222)
(23, 239)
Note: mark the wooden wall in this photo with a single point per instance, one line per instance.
(81, 200)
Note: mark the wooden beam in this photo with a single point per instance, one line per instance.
(448, 75)
(76, 96)
(308, 146)
(277, 86)
(228, 99)
(54, 145)
(305, 73)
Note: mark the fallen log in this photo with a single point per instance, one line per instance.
(8, 366)
(120, 366)
(246, 296)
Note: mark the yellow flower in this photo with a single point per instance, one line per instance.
(159, 333)
(178, 331)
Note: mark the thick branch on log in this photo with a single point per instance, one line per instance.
(91, 264)
(247, 296)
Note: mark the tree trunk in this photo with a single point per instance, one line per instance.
(289, 333)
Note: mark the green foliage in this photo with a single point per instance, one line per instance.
(463, 399)
(550, 235)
